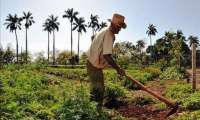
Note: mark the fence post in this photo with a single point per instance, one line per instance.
(193, 66)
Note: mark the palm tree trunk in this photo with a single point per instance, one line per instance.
(150, 40)
(26, 47)
(193, 66)
(71, 40)
(16, 45)
(140, 55)
(93, 31)
(21, 56)
(78, 42)
(48, 48)
(53, 48)
(150, 47)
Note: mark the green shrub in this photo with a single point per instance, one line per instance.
(142, 100)
(123, 61)
(192, 102)
(171, 73)
(111, 75)
(179, 91)
(37, 111)
(114, 90)
(189, 116)
(74, 74)
(138, 75)
(154, 71)
(130, 85)
(79, 107)
(160, 105)
(1, 86)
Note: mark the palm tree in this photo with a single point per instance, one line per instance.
(140, 45)
(151, 31)
(193, 39)
(54, 26)
(47, 28)
(94, 23)
(13, 23)
(102, 25)
(80, 26)
(29, 21)
(71, 15)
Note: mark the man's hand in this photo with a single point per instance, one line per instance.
(111, 62)
(121, 72)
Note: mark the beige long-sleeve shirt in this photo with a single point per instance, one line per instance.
(102, 44)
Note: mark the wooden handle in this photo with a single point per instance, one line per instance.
(161, 98)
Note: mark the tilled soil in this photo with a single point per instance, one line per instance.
(142, 112)
(146, 112)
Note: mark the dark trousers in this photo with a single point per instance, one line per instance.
(97, 84)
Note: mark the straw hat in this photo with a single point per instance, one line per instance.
(118, 20)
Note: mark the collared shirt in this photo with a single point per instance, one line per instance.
(102, 44)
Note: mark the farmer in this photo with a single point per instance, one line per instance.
(100, 57)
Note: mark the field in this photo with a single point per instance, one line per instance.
(32, 92)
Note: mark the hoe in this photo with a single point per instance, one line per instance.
(172, 105)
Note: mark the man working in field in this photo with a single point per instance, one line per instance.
(100, 56)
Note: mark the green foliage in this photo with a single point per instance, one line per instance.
(79, 107)
(40, 58)
(189, 116)
(162, 63)
(192, 102)
(75, 74)
(142, 100)
(179, 91)
(63, 57)
(21, 88)
(160, 105)
(171, 73)
(8, 56)
(142, 77)
(154, 71)
(185, 95)
(114, 90)
(123, 61)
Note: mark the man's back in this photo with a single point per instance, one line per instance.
(101, 44)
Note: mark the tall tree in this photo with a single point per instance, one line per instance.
(193, 39)
(48, 28)
(94, 23)
(13, 22)
(28, 22)
(102, 25)
(140, 45)
(54, 25)
(151, 31)
(79, 26)
(71, 15)
(194, 42)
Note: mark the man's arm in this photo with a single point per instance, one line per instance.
(111, 62)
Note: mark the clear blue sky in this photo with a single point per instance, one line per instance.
(164, 14)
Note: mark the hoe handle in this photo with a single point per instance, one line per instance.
(161, 98)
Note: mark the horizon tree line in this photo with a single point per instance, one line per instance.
(51, 24)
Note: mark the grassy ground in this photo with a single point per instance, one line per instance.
(33, 92)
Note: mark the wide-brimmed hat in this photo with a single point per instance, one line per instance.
(118, 20)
